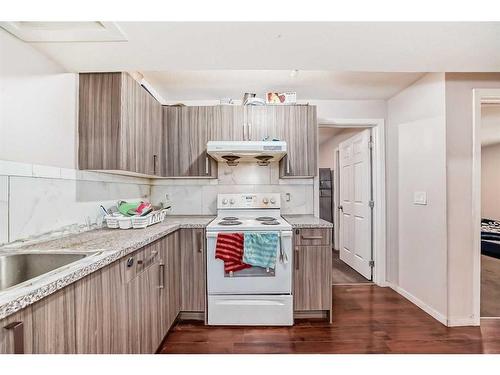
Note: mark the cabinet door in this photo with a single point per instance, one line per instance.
(312, 278)
(54, 323)
(99, 121)
(185, 134)
(149, 134)
(174, 277)
(131, 145)
(266, 122)
(300, 133)
(228, 125)
(101, 312)
(16, 333)
(192, 269)
(143, 303)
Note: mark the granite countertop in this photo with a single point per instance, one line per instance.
(307, 221)
(105, 245)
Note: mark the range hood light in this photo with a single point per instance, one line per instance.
(263, 160)
(231, 160)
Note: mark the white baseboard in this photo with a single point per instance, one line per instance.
(460, 322)
(429, 310)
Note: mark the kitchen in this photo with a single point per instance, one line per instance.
(127, 192)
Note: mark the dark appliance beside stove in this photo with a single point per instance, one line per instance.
(326, 194)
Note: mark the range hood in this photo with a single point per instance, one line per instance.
(234, 152)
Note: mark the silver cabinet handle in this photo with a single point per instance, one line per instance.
(17, 329)
(311, 237)
(162, 276)
(249, 131)
(154, 163)
(296, 260)
(206, 164)
(287, 165)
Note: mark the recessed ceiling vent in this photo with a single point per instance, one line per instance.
(91, 31)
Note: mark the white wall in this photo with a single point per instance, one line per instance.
(417, 250)
(459, 141)
(37, 106)
(490, 182)
(40, 190)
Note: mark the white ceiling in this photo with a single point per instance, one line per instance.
(490, 124)
(217, 84)
(340, 46)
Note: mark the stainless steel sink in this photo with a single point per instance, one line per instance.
(18, 268)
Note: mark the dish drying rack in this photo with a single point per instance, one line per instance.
(136, 222)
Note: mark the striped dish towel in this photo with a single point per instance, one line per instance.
(229, 248)
(260, 249)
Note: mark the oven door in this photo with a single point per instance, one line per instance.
(253, 280)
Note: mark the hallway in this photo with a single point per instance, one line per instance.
(367, 319)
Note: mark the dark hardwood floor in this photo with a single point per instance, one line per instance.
(367, 319)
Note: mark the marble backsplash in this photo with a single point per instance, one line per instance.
(195, 196)
(35, 200)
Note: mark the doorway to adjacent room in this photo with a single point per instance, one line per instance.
(352, 196)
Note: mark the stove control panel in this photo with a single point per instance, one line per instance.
(249, 200)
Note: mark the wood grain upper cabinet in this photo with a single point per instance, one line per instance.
(119, 125)
(298, 126)
(192, 269)
(261, 123)
(186, 131)
(229, 123)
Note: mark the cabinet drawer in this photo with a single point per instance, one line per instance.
(136, 263)
(313, 237)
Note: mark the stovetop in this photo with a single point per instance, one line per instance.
(249, 211)
(245, 223)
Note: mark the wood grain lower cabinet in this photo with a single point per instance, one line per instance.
(173, 276)
(312, 275)
(100, 312)
(192, 267)
(312, 278)
(54, 323)
(125, 307)
(16, 333)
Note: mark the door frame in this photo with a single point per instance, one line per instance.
(336, 198)
(379, 194)
(479, 96)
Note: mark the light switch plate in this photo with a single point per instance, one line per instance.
(420, 198)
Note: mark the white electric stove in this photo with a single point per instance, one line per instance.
(253, 296)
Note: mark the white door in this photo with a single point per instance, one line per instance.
(355, 195)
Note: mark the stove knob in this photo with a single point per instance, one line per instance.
(273, 201)
(231, 201)
(224, 201)
(265, 201)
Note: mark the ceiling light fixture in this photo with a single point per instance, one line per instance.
(294, 73)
